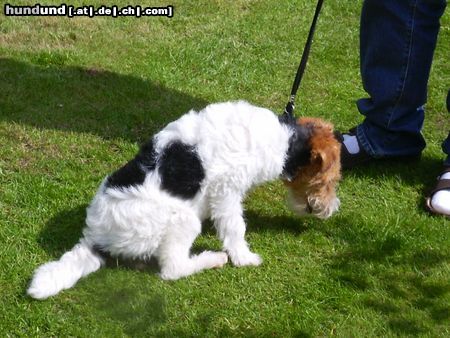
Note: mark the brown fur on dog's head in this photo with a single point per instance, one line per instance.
(313, 189)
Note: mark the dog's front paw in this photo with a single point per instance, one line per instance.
(245, 258)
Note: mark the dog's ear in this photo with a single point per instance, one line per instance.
(325, 149)
(324, 158)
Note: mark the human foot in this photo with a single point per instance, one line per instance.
(439, 200)
(352, 153)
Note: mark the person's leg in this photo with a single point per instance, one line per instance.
(446, 143)
(397, 41)
(446, 149)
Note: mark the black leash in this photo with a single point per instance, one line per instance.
(289, 110)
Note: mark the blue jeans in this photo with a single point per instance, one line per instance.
(397, 42)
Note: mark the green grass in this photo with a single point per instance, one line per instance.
(78, 95)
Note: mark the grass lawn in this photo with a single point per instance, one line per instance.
(78, 95)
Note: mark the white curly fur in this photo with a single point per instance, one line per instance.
(239, 145)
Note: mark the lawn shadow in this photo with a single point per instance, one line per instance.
(259, 222)
(120, 298)
(64, 230)
(138, 307)
(389, 276)
(88, 100)
(112, 105)
(421, 172)
(48, 95)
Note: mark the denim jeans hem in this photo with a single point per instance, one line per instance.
(361, 136)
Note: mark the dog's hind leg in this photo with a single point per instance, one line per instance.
(174, 250)
(227, 214)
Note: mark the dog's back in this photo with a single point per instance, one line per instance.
(233, 138)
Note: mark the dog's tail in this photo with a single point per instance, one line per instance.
(52, 277)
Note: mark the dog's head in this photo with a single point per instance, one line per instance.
(315, 168)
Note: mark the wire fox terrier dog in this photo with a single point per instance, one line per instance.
(199, 166)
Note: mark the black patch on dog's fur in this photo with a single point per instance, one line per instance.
(299, 151)
(133, 173)
(286, 118)
(181, 170)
